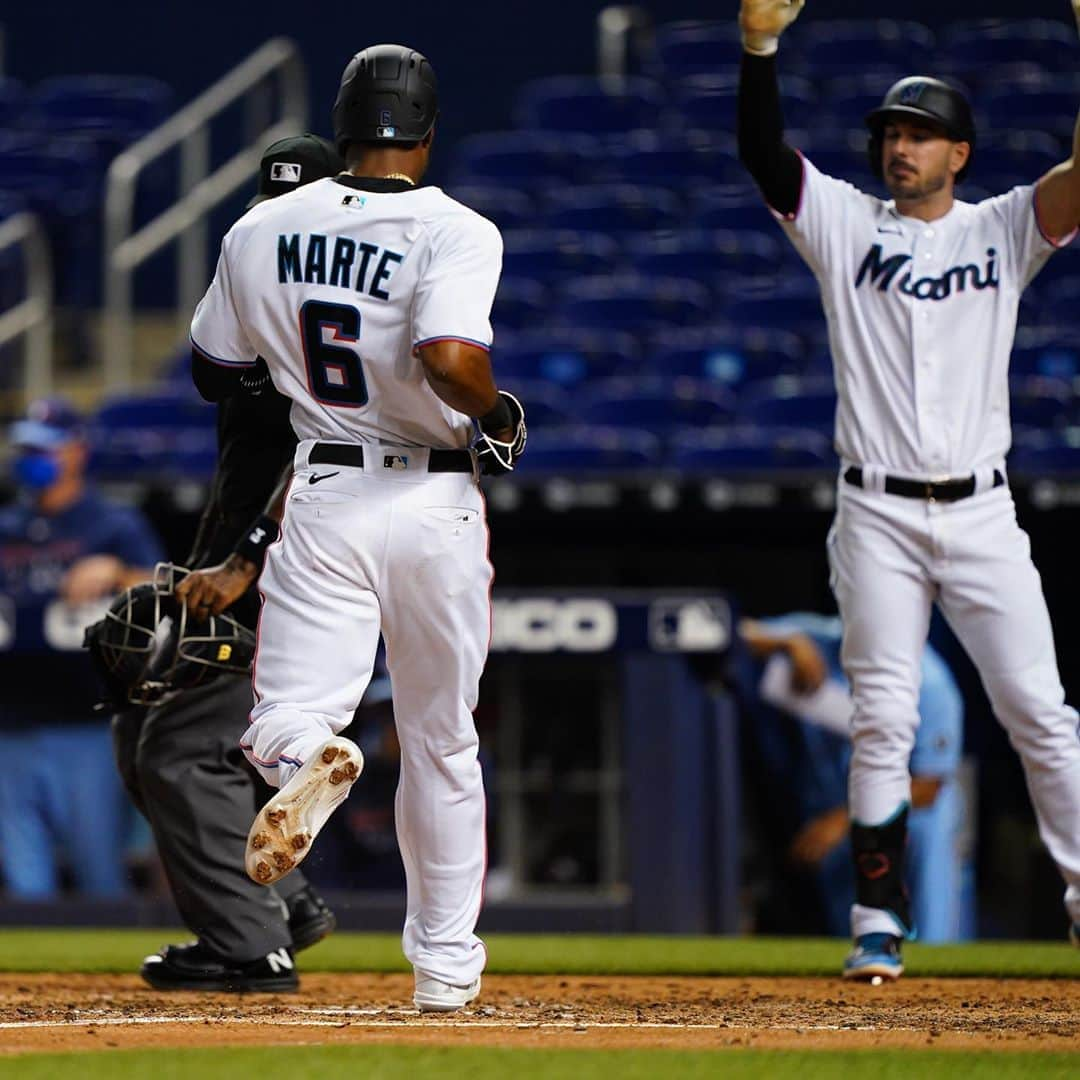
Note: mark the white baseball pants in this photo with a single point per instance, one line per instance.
(891, 559)
(388, 547)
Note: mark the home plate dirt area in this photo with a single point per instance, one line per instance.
(82, 1012)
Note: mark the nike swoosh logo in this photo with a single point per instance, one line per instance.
(314, 478)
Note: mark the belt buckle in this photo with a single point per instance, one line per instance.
(930, 486)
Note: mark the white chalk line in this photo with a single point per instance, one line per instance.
(403, 1024)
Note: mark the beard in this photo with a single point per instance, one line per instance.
(910, 186)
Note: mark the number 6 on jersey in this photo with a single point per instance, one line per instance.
(335, 374)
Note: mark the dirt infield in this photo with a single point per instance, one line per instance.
(82, 1012)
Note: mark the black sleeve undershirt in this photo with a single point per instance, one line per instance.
(775, 166)
(213, 381)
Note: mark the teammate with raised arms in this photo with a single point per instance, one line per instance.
(921, 295)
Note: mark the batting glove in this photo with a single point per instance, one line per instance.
(763, 21)
(496, 457)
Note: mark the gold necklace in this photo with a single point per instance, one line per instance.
(400, 176)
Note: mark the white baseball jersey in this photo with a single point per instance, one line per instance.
(922, 317)
(336, 287)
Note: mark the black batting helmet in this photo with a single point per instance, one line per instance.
(388, 94)
(922, 97)
(146, 645)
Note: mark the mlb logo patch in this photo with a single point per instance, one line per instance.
(355, 202)
(395, 461)
(285, 172)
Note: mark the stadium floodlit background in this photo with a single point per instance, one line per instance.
(670, 349)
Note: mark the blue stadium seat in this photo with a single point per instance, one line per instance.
(791, 403)
(520, 304)
(708, 255)
(1038, 454)
(571, 451)
(527, 160)
(545, 405)
(11, 203)
(741, 449)
(1053, 359)
(690, 48)
(57, 178)
(832, 47)
(678, 161)
(846, 100)
(841, 154)
(613, 208)
(589, 105)
(791, 303)
(114, 110)
(708, 102)
(655, 404)
(1048, 106)
(1061, 298)
(731, 208)
(179, 407)
(553, 256)
(632, 304)
(987, 44)
(1041, 401)
(565, 357)
(1025, 153)
(508, 208)
(727, 355)
(12, 102)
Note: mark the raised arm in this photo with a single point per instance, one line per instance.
(776, 167)
(1058, 193)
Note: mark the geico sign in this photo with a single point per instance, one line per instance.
(540, 624)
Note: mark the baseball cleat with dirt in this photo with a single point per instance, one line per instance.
(286, 826)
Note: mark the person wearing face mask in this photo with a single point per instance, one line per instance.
(65, 551)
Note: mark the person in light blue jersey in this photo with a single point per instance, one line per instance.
(65, 551)
(800, 677)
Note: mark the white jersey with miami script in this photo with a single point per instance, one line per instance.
(336, 287)
(922, 317)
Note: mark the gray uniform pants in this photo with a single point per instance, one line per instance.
(183, 767)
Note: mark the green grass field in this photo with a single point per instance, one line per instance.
(544, 954)
(412, 1063)
(121, 951)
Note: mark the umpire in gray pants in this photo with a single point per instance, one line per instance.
(180, 759)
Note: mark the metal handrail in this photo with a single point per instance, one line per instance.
(187, 219)
(618, 28)
(34, 315)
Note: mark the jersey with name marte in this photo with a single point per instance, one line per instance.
(336, 286)
(922, 318)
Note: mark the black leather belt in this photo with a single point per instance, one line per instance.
(930, 490)
(441, 461)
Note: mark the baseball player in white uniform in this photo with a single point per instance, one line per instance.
(921, 294)
(368, 296)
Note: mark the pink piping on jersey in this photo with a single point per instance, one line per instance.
(1060, 242)
(802, 187)
(217, 359)
(451, 337)
(249, 750)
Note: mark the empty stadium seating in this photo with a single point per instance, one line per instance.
(650, 311)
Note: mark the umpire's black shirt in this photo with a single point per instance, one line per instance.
(255, 443)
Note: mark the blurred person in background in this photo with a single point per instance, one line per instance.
(800, 723)
(65, 550)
